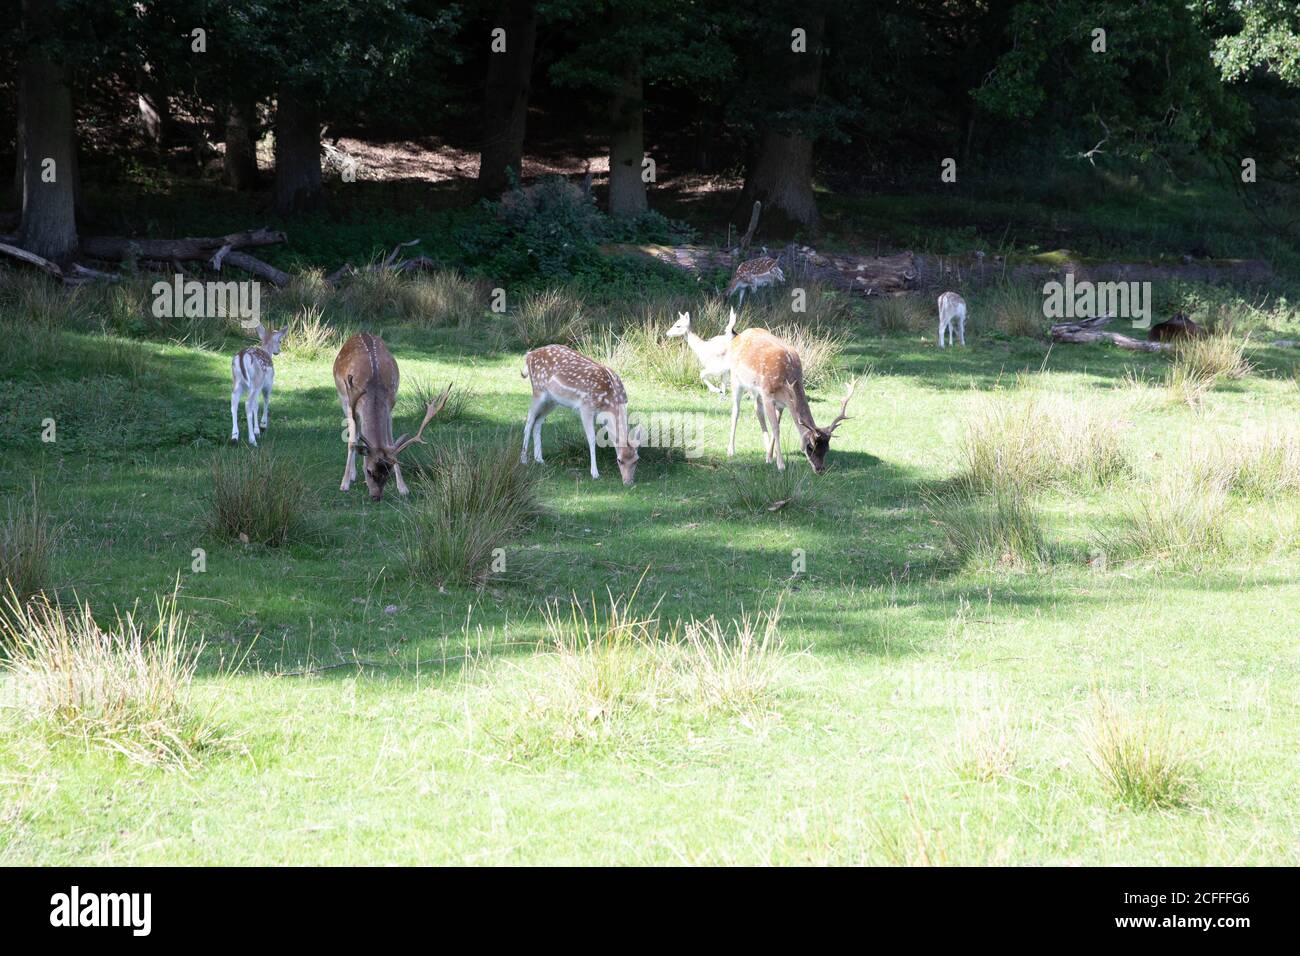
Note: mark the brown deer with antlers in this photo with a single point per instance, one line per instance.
(769, 369)
(365, 374)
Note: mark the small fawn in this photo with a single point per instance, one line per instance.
(769, 369)
(714, 354)
(561, 376)
(366, 377)
(952, 307)
(753, 275)
(253, 373)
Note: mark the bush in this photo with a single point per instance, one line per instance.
(477, 498)
(126, 689)
(549, 228)
(27, 542)
(258, 498)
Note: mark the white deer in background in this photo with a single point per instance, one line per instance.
(561, 376)
(253, 373)
(769, 369)
(952, 308)
(714, 354)
(753, 275)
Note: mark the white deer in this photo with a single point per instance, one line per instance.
(714, 354)
(253, 373)
(952, 307)
(561, 376)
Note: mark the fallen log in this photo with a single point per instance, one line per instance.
(32, 259)
(189, 250)
(263, 270)
(1089, 331)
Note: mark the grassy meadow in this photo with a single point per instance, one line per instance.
(1042, 609)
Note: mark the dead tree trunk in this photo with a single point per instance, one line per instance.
(1087, 331)
(239, 165)
(627, 145)
(48, 160)
(297, 154)
(505, 101)
(781, 176)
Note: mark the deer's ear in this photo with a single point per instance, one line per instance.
(683, 315)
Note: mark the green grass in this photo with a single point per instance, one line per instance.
(908, 705)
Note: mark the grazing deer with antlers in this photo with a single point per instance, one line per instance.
(714, 354)
(253, 374)
(753, 275)
(365, 374)
(952, 308)
(561, 376)
(769, 369)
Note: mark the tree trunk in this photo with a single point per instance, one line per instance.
(297, 155)
(49, 221)
(627, 146)
(781, 176)
(505, 103)
(239, 166)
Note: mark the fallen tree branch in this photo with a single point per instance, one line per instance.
(259, 268)
(190, 250)
(1088, 331)
(31, 258)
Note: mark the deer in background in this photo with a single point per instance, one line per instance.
(769, 369)
(253, 373)
(365, 374)
(714, 354)
(753, 275)
(952, 308)
(561, 376)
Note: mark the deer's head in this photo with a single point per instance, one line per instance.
(380, 458)
(817, 441)
(681, 326)
(270, 338)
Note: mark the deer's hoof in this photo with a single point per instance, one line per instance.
(234, 440)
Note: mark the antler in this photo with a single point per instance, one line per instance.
(844, 405)
(434, 408)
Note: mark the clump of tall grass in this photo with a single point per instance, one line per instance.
(28, 538)
(310, 336)
(1015, 309)
(1001, 529)
(476, 498)
(758, 489)
(819, 350)
(903, 313)
(1137, 760)
(1200, 364)
(642, 347)
(127, 689)
(823, 307)
(1034, 441)
(986, 747)
(444, 297)
(417, 395)
(731, 670)
(257, 497)
(550, 317)
(1181, 521)
(1259, 462)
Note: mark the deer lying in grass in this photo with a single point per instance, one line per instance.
(753, 275)
(714, 354)
(253, 373)
(952, 308)
(561, 376)
(365, 374)
(769, 369)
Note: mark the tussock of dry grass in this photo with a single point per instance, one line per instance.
(819, 350)
(986, 747)
(551, 317)
(309, 334)
(258, 497)
(1137, 760)
(1256, 462)
(1034, 441)
(1200, 364)
(903, 313)
(1181, 521)
(762, 489)
(28, 538)
(1015, 310)
(1002, 529)
(126, 689)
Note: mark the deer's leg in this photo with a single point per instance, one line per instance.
(762, 424)
(401, 485)
(266, 396)
(234, 414)
(735, 415)
(961, 329)
(537, 432)
(530, 424)
(250, 414)
(774, 415)
(704, 377)
(941, 332)
(742, 298)
(589, 426)
(349, 463)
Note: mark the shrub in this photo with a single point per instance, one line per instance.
(1002, 529)
(258, 498)
(477, 498)
(550, 317)
(1137, 760)
(549, 228)
(1032, 442)
(127, 689)
(27, 541)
